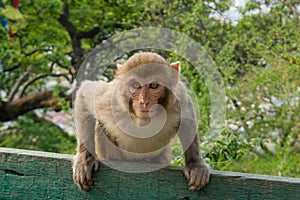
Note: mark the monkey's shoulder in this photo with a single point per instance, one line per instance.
(91, 88)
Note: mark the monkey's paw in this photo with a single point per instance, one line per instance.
(197, 174)
(83, 168)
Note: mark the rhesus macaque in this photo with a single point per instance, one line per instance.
(134, 117)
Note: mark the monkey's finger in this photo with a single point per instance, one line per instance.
(78, 180)
(87, 175)
(90, 182)
(193, 186)
(82, 180)
(186, 172)
(85, 187)
(198, 182)
(193, 179)
(75, 178)
(96, 165)
(202, 180)
(79, 177)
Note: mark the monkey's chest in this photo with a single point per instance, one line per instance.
(137, 139)
(120, 134)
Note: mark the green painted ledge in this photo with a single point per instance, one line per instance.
(39, 175)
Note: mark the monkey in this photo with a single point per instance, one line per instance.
(134, 117)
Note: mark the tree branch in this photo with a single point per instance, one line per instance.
(18, 84)
(78, 53)
(89, 34)
(37, 49)
(11, 68)
(38, 77)
(64, 21)
(75, 40)
(11, 110)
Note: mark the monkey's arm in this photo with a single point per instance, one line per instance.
(84, 114)
(196, 170)
(85, 119)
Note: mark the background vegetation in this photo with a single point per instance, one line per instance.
(255, 47)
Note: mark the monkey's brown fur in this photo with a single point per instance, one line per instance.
(140, 59)
(99, 130)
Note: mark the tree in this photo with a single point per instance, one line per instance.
(260, 62)
(264, 53)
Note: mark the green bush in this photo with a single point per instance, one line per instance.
(31, 132)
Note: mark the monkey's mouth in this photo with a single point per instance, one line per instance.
(148, 112)
(145, 113)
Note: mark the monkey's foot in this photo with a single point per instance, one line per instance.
(197, 174)
(83, 168)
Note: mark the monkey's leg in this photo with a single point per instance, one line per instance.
(196, 170)
(83, 165)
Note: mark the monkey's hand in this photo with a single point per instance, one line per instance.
(197, 174)
(83, 166)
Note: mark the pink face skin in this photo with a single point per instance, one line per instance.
(144, 97)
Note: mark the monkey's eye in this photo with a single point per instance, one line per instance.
(136, 85)
(153, 85)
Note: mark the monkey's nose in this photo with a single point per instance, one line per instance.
(144, 100)
(144, 105)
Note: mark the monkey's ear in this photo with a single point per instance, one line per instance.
(176, 66)
(119, 65)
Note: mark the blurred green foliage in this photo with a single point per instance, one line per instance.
(31, 132)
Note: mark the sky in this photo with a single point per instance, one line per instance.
(233, 14)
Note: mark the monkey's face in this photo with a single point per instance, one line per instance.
(146, 89)
(145, 96)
